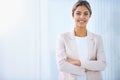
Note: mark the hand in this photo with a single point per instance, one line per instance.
(86, 70)
(73, 61)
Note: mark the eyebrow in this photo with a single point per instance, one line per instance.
(80, 11)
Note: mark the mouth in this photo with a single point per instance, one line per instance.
(81, 22)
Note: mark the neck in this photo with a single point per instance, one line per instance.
(80, 31)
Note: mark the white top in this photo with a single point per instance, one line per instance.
(82, 47)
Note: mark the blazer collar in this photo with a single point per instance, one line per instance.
(89, 34)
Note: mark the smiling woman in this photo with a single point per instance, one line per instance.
(79, 53)
(81, 16)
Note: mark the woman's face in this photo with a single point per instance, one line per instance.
(81, 16)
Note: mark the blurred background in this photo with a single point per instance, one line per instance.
(28, 31)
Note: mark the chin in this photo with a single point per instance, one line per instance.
(81, 25)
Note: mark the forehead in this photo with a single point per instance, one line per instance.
(82, 8)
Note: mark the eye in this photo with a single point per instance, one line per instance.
(78, 14)
(86, 13)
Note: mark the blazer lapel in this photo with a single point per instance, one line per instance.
(73, 45)
(91, 46)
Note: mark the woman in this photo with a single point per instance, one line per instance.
(79, 53)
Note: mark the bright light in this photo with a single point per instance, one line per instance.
(10, 13)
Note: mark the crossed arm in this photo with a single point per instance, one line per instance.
(75, 62)
(75, 66)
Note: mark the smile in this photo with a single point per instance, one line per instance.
(81, 22)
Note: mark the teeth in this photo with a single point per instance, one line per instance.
(81, 21)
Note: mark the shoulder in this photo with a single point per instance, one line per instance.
(95, 36)
(65, 34)
(98, 38)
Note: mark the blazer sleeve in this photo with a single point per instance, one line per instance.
(63, 65)
(100, 63)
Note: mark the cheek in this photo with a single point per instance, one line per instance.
(88, 19)
(75, 18)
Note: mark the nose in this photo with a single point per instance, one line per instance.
(82, 16)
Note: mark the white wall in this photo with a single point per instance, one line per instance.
(18, 23)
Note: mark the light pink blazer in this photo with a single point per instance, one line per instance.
(96, 61)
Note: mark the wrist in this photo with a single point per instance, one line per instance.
(78, 63)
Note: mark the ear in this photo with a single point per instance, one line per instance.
(89, 16)
(72, 16)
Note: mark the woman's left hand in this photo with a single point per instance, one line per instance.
(73, 61)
